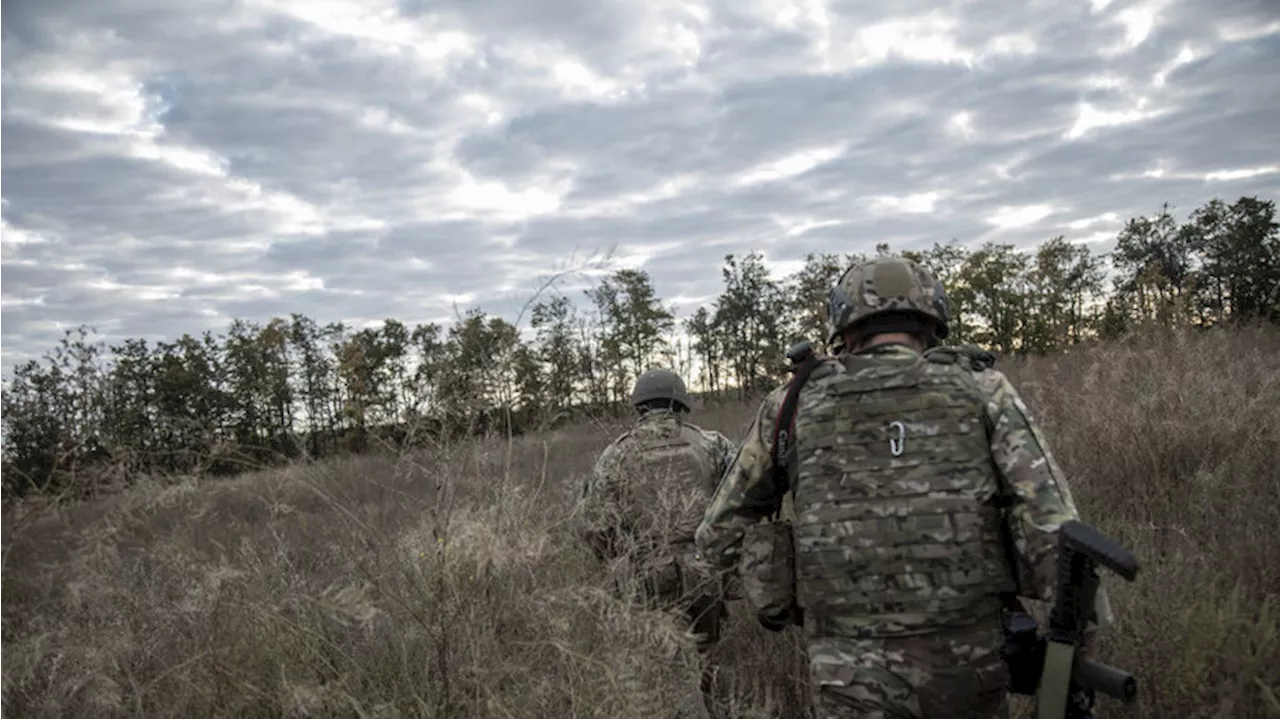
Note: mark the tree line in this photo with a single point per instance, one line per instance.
(89, 413)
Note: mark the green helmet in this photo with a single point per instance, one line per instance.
(661, 384)
(883, 285)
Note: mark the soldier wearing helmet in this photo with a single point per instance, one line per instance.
(925, 501)
(644, 499)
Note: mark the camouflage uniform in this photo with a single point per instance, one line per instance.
(900, 559)
(648, 490)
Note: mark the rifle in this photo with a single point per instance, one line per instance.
(1050, 667)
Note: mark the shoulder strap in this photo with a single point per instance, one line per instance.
(978, 358)
(803, 361)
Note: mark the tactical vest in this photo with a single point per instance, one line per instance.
(671, 478)
(897, 530)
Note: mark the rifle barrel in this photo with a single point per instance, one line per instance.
(1104, 678)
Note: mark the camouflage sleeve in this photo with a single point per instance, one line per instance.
(600, 505)
(722, 449)
(1041, 498)
(747, 494)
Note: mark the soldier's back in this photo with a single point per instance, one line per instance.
(899, 564)
(668, 476)
(896, 533)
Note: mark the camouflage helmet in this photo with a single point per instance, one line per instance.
(883, 285)
(661, 384)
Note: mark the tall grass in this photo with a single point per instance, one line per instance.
(448, 583)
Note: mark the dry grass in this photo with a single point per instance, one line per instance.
(447, 584)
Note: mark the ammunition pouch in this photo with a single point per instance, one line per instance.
(767, 567)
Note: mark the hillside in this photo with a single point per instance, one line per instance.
(444, 582)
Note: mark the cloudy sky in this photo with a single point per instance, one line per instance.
(168, 165)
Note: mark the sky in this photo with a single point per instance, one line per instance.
(170, 166)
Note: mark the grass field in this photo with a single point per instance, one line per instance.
(446, 583)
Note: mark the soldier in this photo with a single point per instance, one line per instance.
(648, 490)
(900, 559)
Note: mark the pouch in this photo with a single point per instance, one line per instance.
(768, 569)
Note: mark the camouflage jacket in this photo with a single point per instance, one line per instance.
(1041, 498)
(611, 505)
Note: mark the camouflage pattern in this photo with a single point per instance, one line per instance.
(909, 547)
(915, 545)
(954, 673)
(640, 508)
(886, 284)
(767, 568)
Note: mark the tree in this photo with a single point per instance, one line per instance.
(634, 324)
(806, 293)
(751, 314)
(314, 370)
(429, 355)
(707, 340)
(995, 279)
(477, 375)
(1240, 247)
(1155, 260)
(1064, 280)
(557, 351)
(86, 414)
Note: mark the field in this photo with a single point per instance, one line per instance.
(446, 583)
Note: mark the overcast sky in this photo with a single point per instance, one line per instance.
(168, 166)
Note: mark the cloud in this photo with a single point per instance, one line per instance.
(169, 168)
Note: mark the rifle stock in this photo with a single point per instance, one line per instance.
(1079, 538)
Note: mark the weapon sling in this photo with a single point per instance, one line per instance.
(804, 360)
